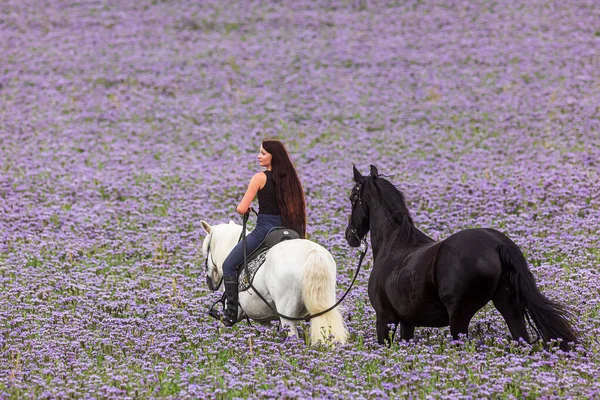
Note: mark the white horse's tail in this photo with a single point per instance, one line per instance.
(318, 294)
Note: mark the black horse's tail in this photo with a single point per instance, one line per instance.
(550, 318)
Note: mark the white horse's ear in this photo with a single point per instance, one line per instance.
(231, 222)
(207, 228)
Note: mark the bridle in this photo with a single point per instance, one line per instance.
(209, 280)
(353, 200)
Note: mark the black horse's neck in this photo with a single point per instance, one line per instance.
(390, 220)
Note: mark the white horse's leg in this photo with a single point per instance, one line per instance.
(254, 307)
(289, 303)
(290, 326)
(281, 291)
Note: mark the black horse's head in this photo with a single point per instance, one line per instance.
(358, 222)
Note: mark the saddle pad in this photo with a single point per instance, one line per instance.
(253, 266)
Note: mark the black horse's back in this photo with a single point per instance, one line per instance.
(468, 262)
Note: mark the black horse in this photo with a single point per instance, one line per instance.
(417, 281)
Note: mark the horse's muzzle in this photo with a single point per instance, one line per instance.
(352, 237)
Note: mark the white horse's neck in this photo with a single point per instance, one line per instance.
(222, 240)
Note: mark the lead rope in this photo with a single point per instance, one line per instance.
(364, 248)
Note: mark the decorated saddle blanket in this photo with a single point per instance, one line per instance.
(253, 265)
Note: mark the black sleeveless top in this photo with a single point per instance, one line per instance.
(267, 202)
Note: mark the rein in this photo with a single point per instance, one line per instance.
(309, 316)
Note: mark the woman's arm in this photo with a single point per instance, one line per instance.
(256, 183)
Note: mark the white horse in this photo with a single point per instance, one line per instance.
(297, 278)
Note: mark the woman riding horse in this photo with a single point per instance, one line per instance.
(280, 203)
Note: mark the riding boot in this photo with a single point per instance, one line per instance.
(231, 300)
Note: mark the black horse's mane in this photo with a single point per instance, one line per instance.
(393, 200)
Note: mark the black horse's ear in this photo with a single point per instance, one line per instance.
(358, 178)
(374, 172)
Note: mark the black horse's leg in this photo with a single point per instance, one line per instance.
(459, 325)
(505, 300)
(383, 330)
(407, 331)
(394, 329)
(465, 296)
(461, 315)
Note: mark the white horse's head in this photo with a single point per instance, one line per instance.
(217, 245)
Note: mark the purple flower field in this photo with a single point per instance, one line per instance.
(124, 123)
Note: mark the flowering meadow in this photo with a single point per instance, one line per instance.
(124, 123)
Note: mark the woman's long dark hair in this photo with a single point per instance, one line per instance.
(288, 189)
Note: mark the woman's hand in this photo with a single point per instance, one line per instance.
(241, 211)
